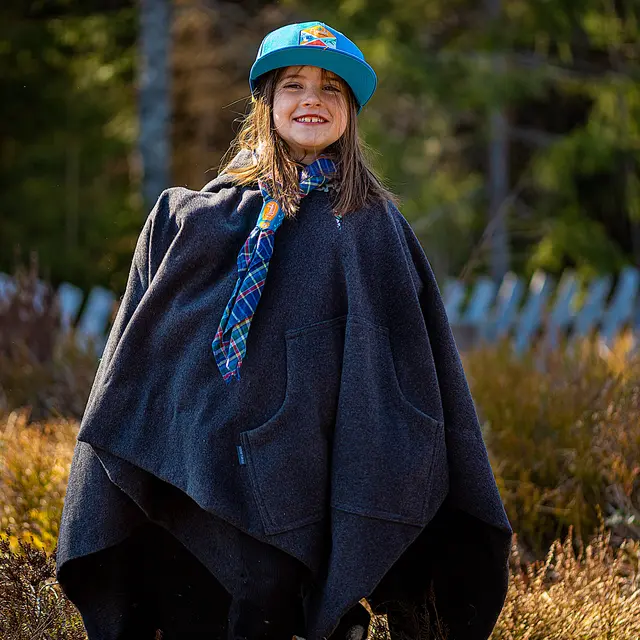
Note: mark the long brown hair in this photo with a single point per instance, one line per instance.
(358, 185)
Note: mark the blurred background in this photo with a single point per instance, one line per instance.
(509, 128)
(510, 131)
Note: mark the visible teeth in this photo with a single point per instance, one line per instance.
(309, 119)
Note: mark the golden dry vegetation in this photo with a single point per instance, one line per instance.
(562, 429)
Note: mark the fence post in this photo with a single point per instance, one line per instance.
(622, 305)
(531, 318)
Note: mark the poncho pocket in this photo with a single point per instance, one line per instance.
(288, 456)
(384, 447)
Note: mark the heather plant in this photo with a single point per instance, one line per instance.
(32, 606)
(56, 387)
(563, 431)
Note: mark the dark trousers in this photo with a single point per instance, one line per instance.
(443, 584)
(151, 582)
(147, 583)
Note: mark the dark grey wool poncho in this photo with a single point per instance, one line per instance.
(351, 441)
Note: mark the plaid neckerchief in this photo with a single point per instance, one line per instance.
(229, 345)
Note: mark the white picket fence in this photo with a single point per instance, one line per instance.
(486, 311)
(94, 322)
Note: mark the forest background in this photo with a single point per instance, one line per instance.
(548, 90)
(509, 129)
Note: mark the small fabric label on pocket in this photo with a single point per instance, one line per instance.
(240, 454)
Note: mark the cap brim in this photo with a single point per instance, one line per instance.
(354, 71)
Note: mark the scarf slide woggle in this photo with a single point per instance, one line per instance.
(230, 343)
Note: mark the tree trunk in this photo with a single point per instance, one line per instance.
(154, 97)
(498, 177)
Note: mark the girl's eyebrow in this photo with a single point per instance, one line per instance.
(298, 75)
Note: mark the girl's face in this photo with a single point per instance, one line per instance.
(299, 93)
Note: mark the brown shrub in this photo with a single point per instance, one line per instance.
(40, 366)
(29, 315)
(32, 606)
(563, 432)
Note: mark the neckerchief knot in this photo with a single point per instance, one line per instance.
(230, 343)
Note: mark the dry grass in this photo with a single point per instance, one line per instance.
(590, 595)
(563, 433)
(34, 468)
(593, 594)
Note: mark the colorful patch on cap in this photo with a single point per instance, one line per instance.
(318, 36)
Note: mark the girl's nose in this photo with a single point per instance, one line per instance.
(312, 97)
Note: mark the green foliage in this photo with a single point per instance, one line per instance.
(566, 73)
(67, 129)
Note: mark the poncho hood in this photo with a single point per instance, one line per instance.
(351, 429)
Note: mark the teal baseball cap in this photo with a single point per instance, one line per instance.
(319, 45)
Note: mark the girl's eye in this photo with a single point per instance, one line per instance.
(294, 85)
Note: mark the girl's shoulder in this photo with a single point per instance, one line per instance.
(378, 219)
(180, 203)
(382, 235)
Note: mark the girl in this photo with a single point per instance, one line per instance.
(279, 430)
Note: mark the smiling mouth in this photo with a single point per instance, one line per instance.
(309, 122)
